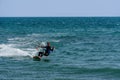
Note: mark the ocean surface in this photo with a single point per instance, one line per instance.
(86, 48)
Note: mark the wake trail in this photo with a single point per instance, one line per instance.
(9, 51)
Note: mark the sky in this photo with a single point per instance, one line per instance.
(59, 8)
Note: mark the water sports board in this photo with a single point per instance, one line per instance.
(36, 58)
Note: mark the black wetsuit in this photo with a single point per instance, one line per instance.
(40, 54)
(48, 49)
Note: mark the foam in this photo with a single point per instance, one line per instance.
(9, 51)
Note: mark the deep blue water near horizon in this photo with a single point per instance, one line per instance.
(86, 48)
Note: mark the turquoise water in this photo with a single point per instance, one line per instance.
(86, 48)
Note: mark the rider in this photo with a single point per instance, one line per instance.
(48, 49)
(45, 50)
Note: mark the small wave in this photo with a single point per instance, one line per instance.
(17, 38)
(46, 34)
(35, 35)
(55, 40)
(111, 71)
(105, 71)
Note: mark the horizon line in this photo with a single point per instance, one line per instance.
(59, 16)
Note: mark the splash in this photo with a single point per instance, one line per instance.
(9, 51)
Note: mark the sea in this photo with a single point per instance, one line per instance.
(86, 48)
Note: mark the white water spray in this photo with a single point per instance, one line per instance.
(9, 51)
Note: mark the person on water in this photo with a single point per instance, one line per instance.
(45, 50)
(48, 49)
